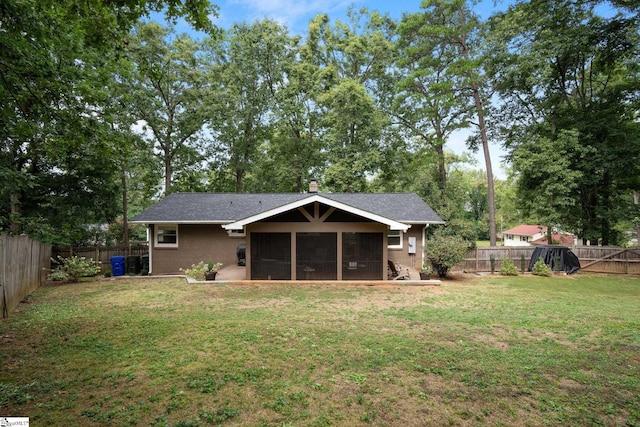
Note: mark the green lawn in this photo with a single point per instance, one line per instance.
(486, 351)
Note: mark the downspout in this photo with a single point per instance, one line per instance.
(150, 241)
(424, 244)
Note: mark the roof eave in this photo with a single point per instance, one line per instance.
(178, 221)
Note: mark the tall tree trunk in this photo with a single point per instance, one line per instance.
(239, 174)
(16, 227)
(487, 161)
(167, 175)
(477, 98)
(125, 217)
(442, 167)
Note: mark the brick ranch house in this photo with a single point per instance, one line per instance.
(319, 236)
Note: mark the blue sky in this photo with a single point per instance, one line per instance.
(296, 14)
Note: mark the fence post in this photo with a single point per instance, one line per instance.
(477, 261)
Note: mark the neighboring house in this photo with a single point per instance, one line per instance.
(532, 235)
(523, 235)
(320, 236)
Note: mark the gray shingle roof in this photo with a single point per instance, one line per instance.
(222, 208)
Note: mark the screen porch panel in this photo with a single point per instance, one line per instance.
(271, 256)
(316, 256)
(362, 256)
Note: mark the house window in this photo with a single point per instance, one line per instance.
(167, 235)
(394, 239)
(524, 238)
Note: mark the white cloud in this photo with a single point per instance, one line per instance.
(294, 14)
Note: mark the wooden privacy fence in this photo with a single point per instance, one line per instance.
(24, 264)
(100, 253)
(597, 259)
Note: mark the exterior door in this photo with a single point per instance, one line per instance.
(271, 256)
(362, 256)
(316, 256)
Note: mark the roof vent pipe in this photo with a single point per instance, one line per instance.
(313, 186)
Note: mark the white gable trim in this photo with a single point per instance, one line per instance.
(393, 225)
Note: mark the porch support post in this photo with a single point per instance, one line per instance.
(294, 260)
(385, 254)
(339, 255)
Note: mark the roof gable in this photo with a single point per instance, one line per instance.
(394, 225)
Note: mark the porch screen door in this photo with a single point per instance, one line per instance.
(316, 256)
(362, 256)
(271, 256)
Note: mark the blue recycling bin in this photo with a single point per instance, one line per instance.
(117, 265)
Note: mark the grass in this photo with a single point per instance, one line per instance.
(487, 351)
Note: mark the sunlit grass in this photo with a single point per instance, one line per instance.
(491, 351)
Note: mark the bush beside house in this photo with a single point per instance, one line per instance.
(445, 251)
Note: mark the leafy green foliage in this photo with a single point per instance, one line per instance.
(445, 251)
(248, 67)
(568, 81)
(73, 268)
(540, 268)
(508, 267)
(168, 88)
(55, 161)
(198, 271)
(354, 56)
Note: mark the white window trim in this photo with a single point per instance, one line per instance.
(401, 235)
(165, 245)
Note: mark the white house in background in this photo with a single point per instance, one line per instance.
(532, 235)
(523, 235)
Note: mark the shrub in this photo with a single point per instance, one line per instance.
(58, 275)
(445, 251)
(540, 268)
(73, 268)
(492, 263)
(199, 270)
(508, 267)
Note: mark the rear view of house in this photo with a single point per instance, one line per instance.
(307, 236)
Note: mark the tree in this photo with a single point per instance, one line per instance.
(168, 86)
(430, 102)
(546, 182)
(443, 56)
(246, 70)
(353, 56)
(54, 139)
(293, 154)
(571, 72)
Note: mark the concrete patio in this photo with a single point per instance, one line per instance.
(237, 274)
